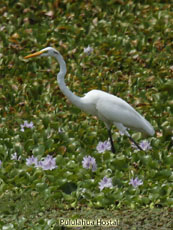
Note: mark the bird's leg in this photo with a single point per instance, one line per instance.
(123, 129)
(112, 144)
(135, 142)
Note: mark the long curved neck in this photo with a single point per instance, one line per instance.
(60, 78)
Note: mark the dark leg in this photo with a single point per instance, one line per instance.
(112, 144)
(135, 143)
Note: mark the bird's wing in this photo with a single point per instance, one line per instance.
(115, 110)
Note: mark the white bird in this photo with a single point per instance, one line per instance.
(111, 109)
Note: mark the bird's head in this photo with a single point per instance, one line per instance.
(48, 51)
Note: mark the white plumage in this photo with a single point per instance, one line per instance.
(114, 110)
(110, 109)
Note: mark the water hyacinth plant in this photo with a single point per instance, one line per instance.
(47, 163)
(88, 50)
(103, 146)
(32, 161)
(26, 124)
(135, 182)
(144, 144)
(105, 183)
(89, 163)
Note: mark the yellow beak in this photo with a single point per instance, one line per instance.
(34, 54)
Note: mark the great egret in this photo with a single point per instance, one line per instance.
(110, 109)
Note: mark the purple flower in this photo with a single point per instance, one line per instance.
(26, 124)
(105, 183)
(89, 163)
(48, 163)
(88, 50)
(145, 145)
(15, 157)
(103, 146)
(0, 163)
(135, 182)
(31, 160)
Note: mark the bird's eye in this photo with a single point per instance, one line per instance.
(55, 52)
